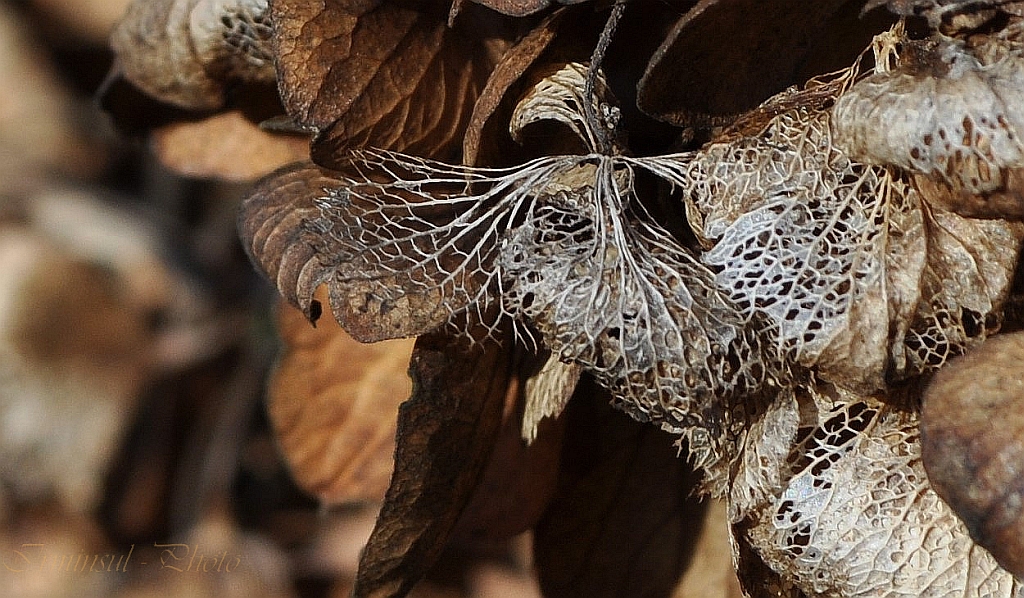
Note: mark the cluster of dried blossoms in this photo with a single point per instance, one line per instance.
(832, 248)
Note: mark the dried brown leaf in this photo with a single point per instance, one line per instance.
(624, 521)
(445, 435)
(187, 52)
(520, 478)
(513, 65)
(691, 81)
(227, 146)
(392, 76)
(333, 403)
(972, 443)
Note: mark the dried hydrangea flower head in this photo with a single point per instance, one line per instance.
(833, 269)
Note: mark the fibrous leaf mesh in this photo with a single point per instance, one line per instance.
(558, 245)
(857, 517)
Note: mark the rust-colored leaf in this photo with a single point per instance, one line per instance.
(445, 434)
(333, 405)
(624, 521)
(692, 81)
(972, 443)
(392, 76)
(187, 52)
(227, 146)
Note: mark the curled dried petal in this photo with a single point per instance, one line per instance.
(948, 112)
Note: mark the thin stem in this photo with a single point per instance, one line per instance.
(597, 122)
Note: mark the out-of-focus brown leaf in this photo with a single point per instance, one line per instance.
(506, 73)
(187, 52)
(333, 405)
(227, 146)
(703, 74)
(73, 356)
(90, 21)
(624, 520)
(445, 435)
(215, 559)
(48, 533)
(972, 444)
(37, 127)
(394, 76)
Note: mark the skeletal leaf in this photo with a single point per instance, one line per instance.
(561, 244)
(972, 436)
(857, 517)
(400, 256)
(838, 254)
(187, 52)
(611, 291)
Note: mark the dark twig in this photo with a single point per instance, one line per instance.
(596, 121)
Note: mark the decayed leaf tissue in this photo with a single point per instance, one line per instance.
(787, 251)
